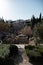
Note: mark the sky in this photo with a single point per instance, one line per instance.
(20, 9)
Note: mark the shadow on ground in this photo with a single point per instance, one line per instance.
(19, 58)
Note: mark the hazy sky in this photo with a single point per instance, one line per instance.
(20, 9)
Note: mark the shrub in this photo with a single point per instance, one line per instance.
(13, 50)
(4, 50)
(40, 49)
(29, 47)
(27, 51)
(1, 61)
(33, 53)
(9, 61)
(6, 54)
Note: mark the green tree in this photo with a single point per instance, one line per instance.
(38, 32)
(33, 20)
(40, 17)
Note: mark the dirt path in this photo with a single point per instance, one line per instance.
(22, 58)
(25, 59)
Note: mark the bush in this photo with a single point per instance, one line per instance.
(4, 50)
(30, 47)
(7, 54)
(34, 53)
(27, 51)
(6, 61)
(40, 49)
(9, 61)
(1, 61)
(13, 51)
